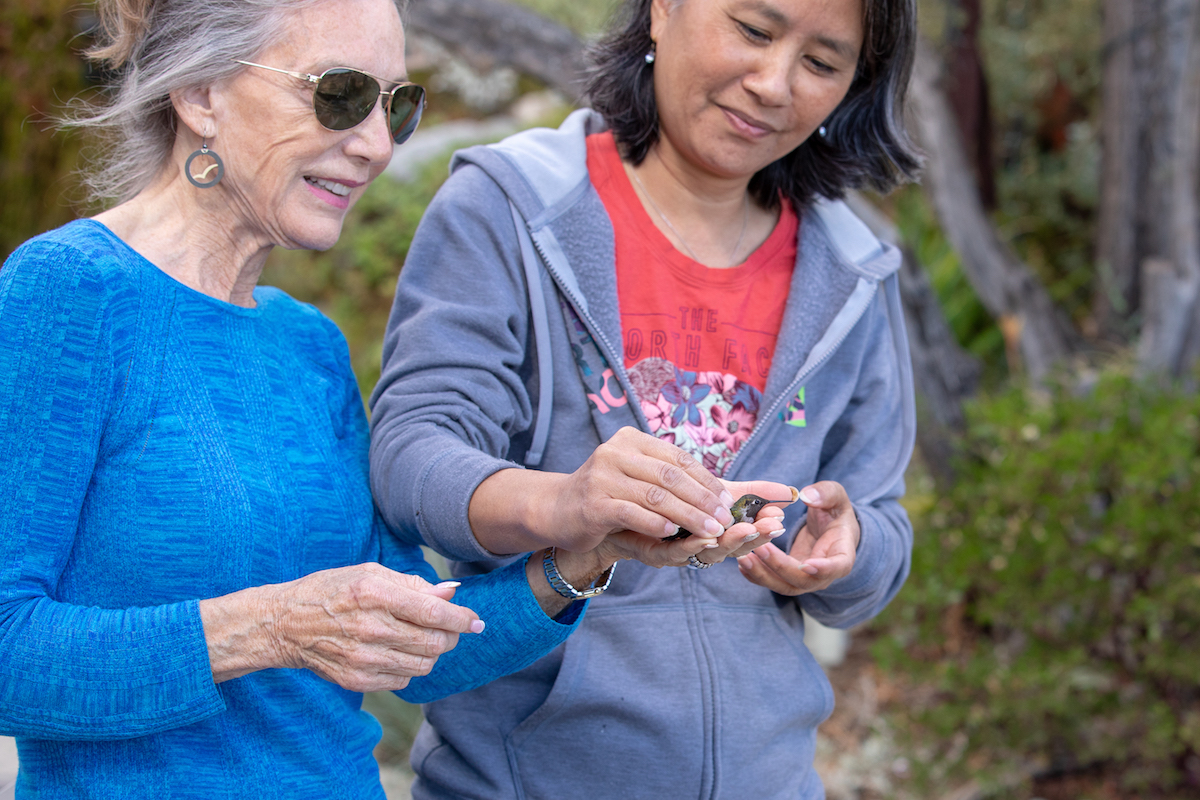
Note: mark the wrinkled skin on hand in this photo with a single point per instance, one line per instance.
(363, 627)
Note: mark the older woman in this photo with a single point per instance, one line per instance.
(660, 294)
(190, 602)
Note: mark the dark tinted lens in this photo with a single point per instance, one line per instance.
(344, 98)
(408, 102)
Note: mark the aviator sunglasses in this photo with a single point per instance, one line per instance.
(344, 97)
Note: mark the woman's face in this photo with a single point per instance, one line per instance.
(741, 83)
(286, 177)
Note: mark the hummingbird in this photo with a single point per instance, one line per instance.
(745, 509)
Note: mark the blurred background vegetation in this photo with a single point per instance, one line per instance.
(1051, 625)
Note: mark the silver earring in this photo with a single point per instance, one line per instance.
(200, 179)
(822, 132)
(650, 55)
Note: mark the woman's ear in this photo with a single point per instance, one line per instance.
(194, 109)
(659, 11)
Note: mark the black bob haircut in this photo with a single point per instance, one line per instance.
(866, 144)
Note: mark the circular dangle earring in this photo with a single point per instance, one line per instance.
(201, 179)
(650, 55)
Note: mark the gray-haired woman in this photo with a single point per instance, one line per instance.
(194, 584)
(657, 300)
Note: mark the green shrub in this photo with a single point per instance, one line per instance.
(1055, 594)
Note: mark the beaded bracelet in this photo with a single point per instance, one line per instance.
(563, 587)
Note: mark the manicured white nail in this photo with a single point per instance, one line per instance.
(449, 585)
(775, 534)
(750, 538)
(726, 499)
(711, 546)
(477, 626)
(810, 496)
(713, 527)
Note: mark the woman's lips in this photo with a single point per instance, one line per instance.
(339, 201)
(747, 126)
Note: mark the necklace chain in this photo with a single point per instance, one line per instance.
(736, 247)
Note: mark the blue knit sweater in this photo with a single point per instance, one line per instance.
(158, 447)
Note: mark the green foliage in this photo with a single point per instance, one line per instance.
(970, 322)
(39, 68)
(1044, 67)
(1055, 594)
(354, 282)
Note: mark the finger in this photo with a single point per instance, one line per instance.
(669, 488)
(755, 570)
(444, 590)
(669, 453)
(778, 494)
(426, 610)
(788, 570)
(826, 495)
(746, 536)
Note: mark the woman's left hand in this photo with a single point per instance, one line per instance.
(737, 540)
(824, 550)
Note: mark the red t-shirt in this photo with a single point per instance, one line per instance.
(698, 341)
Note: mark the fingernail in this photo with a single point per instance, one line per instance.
(670, 529)
(713, 527)
(711, 546)
(724, 516)
(750, 538)
(726, 499)
(809, 569)
(810, 495)
(449, 585)
(477, 626)
(775, 534)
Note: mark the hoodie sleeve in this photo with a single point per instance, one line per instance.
(867, 451)
(452, 389)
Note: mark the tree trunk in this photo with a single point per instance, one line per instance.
(1148, 250)
(967, 91)
(1038, 333)
(944, 373)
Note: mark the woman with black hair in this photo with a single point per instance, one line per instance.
(644, 308)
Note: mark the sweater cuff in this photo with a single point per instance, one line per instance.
(444, 490)
(518, 633)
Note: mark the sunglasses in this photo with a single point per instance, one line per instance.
(344, 97)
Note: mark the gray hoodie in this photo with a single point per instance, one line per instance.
(679, 683)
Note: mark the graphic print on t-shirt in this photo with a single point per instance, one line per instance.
(698, 341)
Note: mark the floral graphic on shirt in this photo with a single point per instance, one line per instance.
(708, 414)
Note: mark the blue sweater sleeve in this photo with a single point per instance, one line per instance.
(69, 671)
(518, 631)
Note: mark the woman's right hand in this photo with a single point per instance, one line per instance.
(633, 482)
(363, 627)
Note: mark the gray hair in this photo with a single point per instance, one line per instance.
(149, 49)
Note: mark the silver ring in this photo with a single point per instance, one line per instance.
(695, 563)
